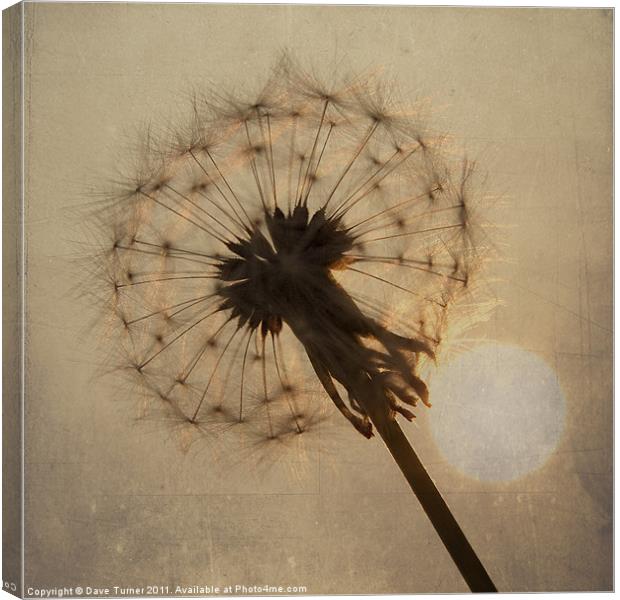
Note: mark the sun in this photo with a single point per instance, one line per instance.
(498, 412)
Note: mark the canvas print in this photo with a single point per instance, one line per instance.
(306, 300)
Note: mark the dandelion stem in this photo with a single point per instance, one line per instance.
(430, 498)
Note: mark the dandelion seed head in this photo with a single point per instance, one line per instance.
(311, 227)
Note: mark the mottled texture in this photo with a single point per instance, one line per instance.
(112, 502)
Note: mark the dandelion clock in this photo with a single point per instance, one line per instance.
(312, 223)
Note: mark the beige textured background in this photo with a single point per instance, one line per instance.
(527, 93)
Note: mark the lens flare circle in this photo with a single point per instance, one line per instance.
(498, 412)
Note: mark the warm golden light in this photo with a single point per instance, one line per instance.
(498, 411)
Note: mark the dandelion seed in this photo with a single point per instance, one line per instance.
(255, 240)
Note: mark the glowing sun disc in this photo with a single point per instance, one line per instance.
(498, 412)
